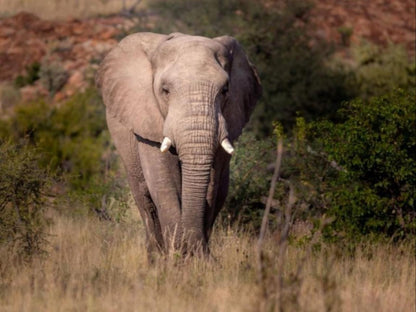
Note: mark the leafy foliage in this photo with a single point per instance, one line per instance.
(22, 204)
(380, 70)
(375, 146)
(9, 96)
(32, 74)
(248, 180)
(72, 141)
(345, 32)
(52, 75)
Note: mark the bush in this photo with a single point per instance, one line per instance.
(375, 147)
(379, 70)
(22, 200)
(71, 137)
(52, 75)
(32, 74)
(249, 182)
(346, 33)
(9, 96)
(73, 142)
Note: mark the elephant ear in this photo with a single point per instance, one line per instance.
(244, 88)
(126, 81)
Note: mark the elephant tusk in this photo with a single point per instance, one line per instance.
(166, 144)
(226, 145)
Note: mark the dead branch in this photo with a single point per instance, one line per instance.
(259, 252)
(269, 202)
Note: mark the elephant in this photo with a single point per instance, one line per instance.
(174, 106)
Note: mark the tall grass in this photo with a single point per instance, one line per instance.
(100, 266)
(58, 9)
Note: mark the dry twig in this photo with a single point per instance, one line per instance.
(259, 252)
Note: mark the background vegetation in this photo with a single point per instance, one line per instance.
(61, 9)
(349, 146)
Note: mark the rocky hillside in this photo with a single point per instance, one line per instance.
(78, 45)
(378, 21)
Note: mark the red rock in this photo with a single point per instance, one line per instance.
(76, 80)
(25, 38)
(7, 32)
(26, 19)
(108, 33)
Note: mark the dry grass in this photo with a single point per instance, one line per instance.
(98, 266)
(59, 9)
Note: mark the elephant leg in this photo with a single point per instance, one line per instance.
(163, 177)
(127, 147)
(222, 191)
(218, 190)
(148, 212)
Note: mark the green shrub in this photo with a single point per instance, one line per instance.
(380, 70)
(32, 74)
(9, 96)
(73, 142)
(22, 200)
(302, 168)
(346, 33)
(375, 147)
(71, 137)
(52, 75)
(308, 171)
(249, 180)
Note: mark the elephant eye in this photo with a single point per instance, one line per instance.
(165, 90)
(224, 90)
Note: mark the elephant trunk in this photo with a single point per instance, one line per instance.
(198, 143)
(195, 180)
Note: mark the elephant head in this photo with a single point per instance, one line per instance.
(191, 94)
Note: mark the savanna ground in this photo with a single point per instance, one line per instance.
(94, 266)
(74, 241)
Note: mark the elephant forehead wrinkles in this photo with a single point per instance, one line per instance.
(189, 71)
(197, 61)
(183, 43)
(199, 95)
(190, 51)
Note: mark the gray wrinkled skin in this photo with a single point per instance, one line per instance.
(196, 91)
